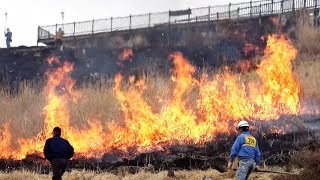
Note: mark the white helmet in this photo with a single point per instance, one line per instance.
(242, 124)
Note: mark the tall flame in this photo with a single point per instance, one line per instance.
(279, 93)
(222, 99)
(59, 89)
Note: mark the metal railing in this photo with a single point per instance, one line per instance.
(210, 13)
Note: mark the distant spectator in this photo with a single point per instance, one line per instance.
(283, 20)
(59, 38)
(8, 35)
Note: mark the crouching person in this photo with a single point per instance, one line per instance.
(58, 151)
(247, 150)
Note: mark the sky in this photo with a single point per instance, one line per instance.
(24, 16)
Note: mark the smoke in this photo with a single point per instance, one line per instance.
(121, 41)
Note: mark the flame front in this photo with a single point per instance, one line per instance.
(220, 100)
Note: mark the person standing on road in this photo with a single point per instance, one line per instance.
(247, 150)
(59, 39)
(8, 35)
(58, 151)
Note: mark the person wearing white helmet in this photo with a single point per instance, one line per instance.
(247, 150)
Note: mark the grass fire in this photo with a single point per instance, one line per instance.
(222, 100)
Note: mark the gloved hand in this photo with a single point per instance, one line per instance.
(230, 164)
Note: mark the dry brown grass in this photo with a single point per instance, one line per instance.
(308, 36)
(22, 111)
(179, 175)
(306, 70)
(309, 161)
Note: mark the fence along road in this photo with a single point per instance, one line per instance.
(210, 13)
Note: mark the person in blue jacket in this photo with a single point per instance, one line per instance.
(58, 151)
(247, 150)
(8, 35)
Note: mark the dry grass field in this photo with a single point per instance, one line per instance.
(180, 175)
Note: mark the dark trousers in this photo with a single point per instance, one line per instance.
(8, 43)
(58, 168)
(58, 43)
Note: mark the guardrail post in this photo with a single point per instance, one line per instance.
(92, 26)
(189, 16)
(74, 29)
(217, 15)
(130, 21)
(229, 10)
(149, 24)
(316, 12)
(250, 9)
(209, 13)
(111, 23)
(260, 10)
(293, 6)
(38, 35)
(272, 6)
(304, 3)
(238, 13)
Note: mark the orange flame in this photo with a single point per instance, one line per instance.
(244, 66)
(250, 49)
(126, 55)
(5, 142)
(222, 99)
(59, 89)
(278, 93)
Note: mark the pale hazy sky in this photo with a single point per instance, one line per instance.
(24, 16)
